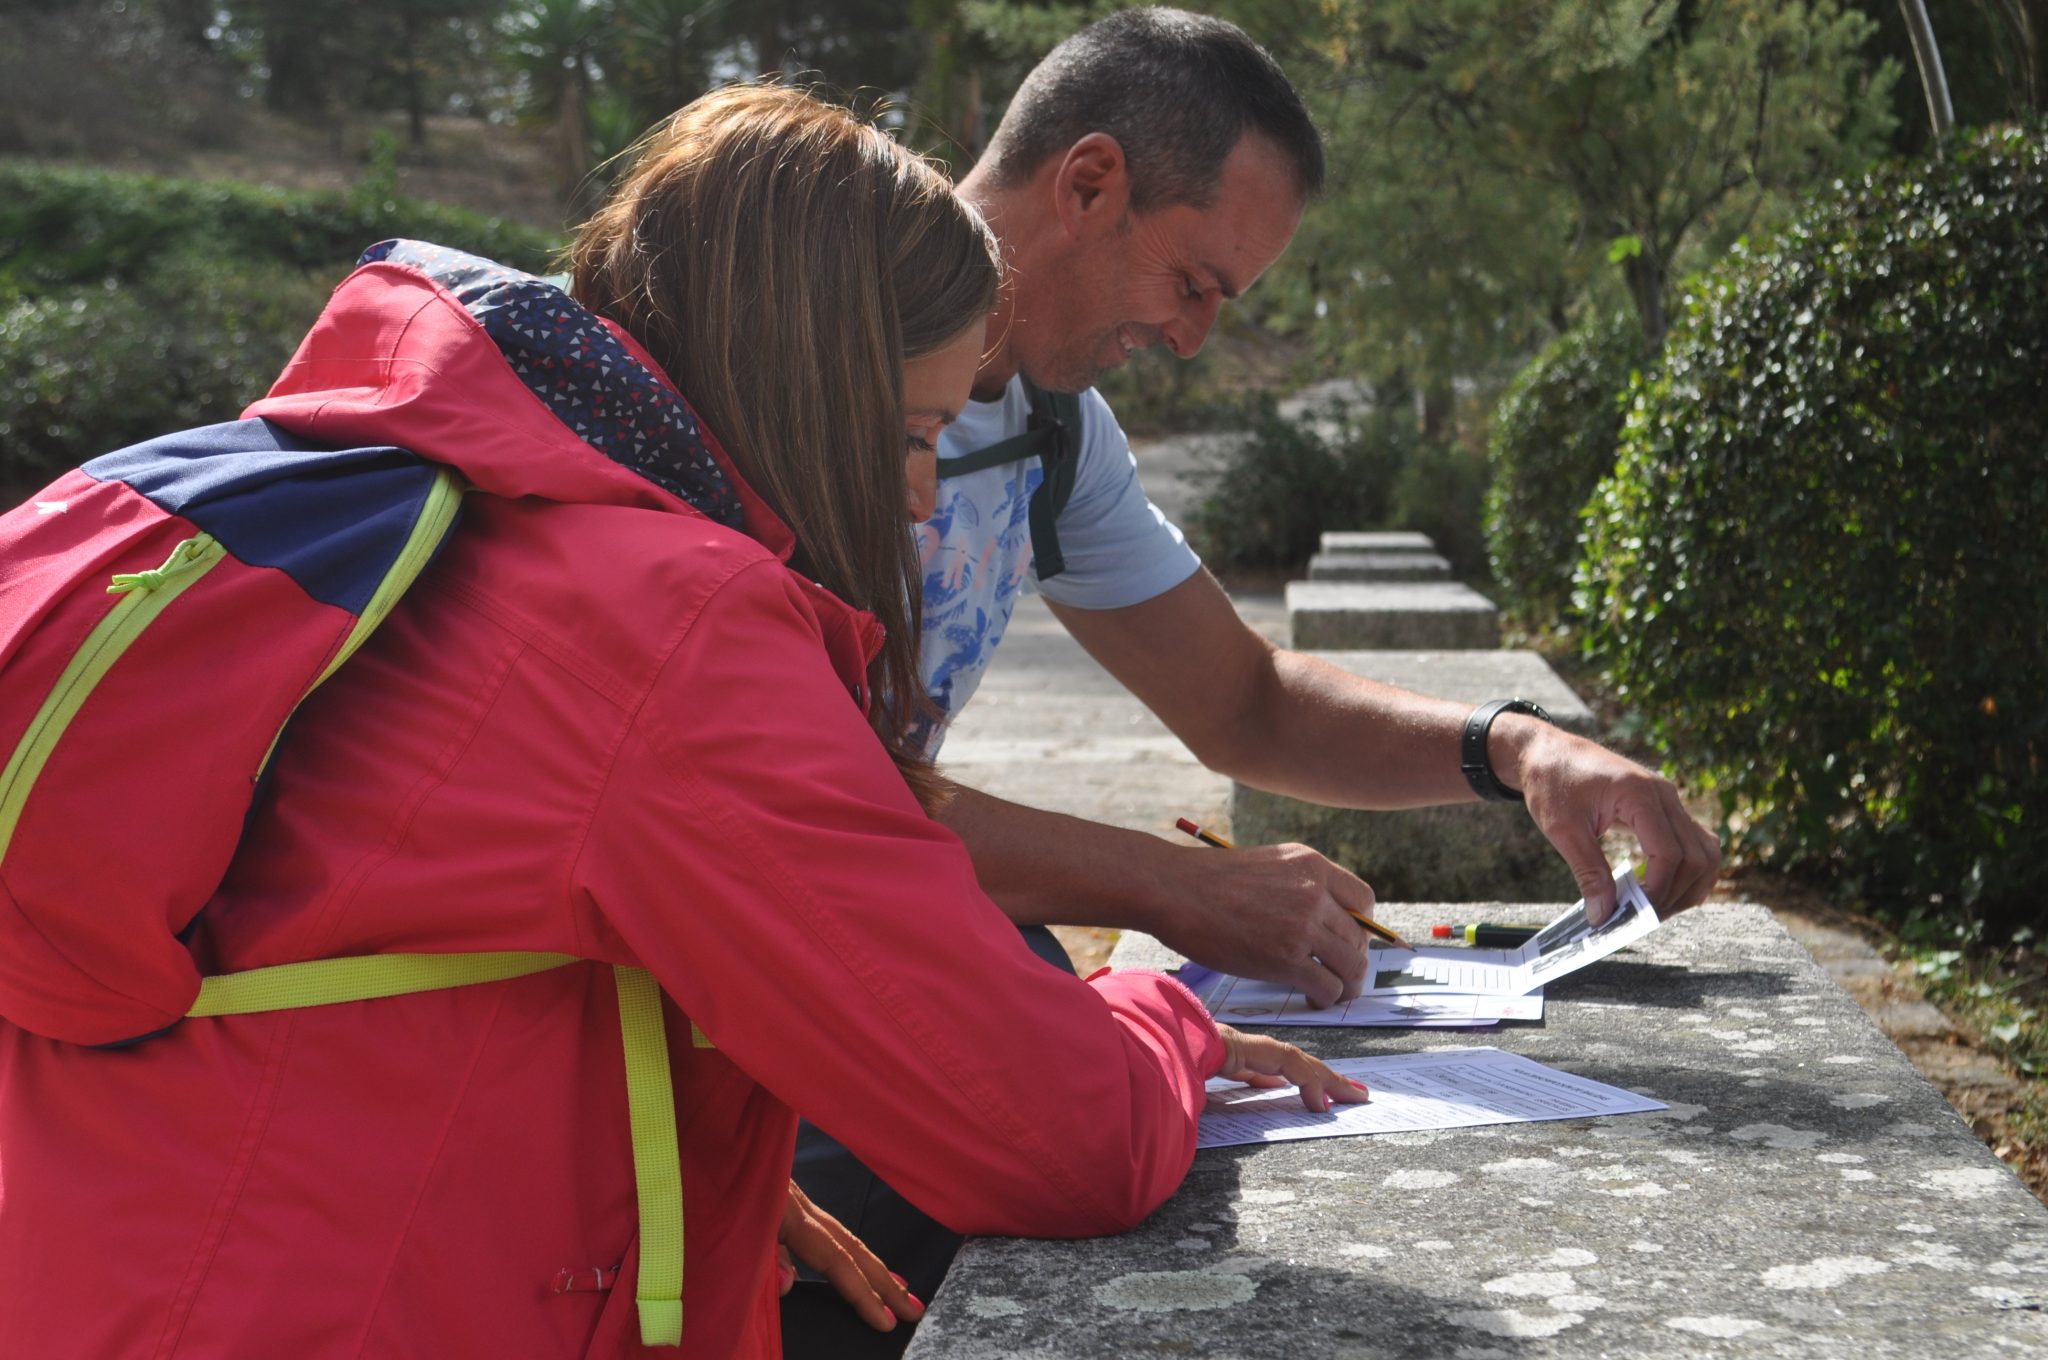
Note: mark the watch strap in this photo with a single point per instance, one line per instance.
(1472, 756)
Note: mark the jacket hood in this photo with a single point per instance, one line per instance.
(508, 379)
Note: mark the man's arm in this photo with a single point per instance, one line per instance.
(1287, 722)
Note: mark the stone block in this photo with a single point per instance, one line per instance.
(1331, 615)
(1378, 566)
(1465, 851)
(1377, 540)
(1805, 1193)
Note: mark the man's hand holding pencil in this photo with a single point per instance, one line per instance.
(1282, 914)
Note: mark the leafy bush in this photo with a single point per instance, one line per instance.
(1554, 437)
(88, 369)
(61, 226)
(1269, 494)
(1440, 490)
(131, 306)
(1821, 566)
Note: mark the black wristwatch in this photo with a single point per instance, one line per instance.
(1472, 749)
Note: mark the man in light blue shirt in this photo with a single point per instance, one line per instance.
(1150, 169)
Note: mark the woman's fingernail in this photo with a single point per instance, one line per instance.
(1359, 1084)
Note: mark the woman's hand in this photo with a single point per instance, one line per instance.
(1260, 1060)
(826, 1245)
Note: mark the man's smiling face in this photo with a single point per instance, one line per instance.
(1161, 276)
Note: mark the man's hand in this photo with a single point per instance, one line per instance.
(1276, 913)
(823, 1243)
(1261, 1060)
(1577, 789)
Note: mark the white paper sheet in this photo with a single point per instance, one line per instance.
(1564, 946)
(1449, 1088)
(1242, 1001)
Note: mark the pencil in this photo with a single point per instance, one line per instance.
(1372, 927)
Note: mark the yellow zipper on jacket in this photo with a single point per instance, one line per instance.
(144, 595)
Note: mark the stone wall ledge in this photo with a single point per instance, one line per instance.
(1807, 1193)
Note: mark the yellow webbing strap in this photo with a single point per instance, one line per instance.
(650, 1096)
(657, 1169)
(325, 982)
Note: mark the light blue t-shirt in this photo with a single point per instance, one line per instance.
(976, 548)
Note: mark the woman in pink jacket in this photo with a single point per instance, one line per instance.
(641, 711)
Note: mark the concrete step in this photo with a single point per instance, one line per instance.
(1334, 615)
(1376, 540)
(1378, 566)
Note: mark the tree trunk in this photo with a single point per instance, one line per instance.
(1646, 278)
(415, 83)
(969, 136)
(768, 45)
(1439, 409)
(1933, 82)
(297, 83)
(189, 21)
(572, 139)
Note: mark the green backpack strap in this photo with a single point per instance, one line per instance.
(650, 1091)
(1052, 435)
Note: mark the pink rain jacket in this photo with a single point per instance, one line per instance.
(606, 725)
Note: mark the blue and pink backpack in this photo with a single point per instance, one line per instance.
(165, 609)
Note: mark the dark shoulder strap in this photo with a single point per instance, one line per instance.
(1052, 434)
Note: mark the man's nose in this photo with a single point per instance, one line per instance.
(1189, 330)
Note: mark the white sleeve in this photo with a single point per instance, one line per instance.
(1119, 548)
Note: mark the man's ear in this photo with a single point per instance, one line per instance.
(1092, 187)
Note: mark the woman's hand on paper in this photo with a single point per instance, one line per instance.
(826, 1245)
(1261, 1060)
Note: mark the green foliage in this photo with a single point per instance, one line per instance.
(1821, 566)
(1495, 166)
(91, 368)
(1269, 495)
(1554, 438)
(1440, 490)
(1998, 990)
(61, 226)
(130, 307)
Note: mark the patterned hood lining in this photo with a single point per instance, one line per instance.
(571, 360)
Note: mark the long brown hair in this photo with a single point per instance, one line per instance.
(781, 259)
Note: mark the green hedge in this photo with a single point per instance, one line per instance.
(132, 306)
(1820, 569)
(61, 226)
(1554, 437)
(89, 369)
(1268, 495)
